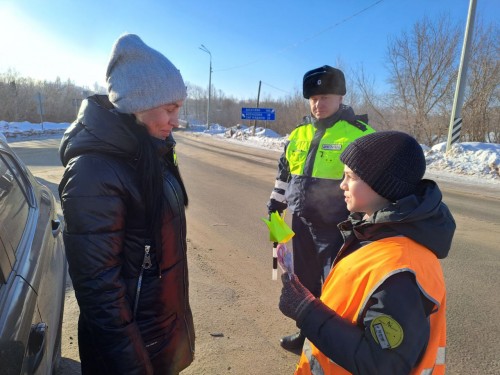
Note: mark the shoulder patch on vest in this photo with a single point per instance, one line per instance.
(386, 332)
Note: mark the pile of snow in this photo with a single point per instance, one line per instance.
(468, 158)
(15, 129)
(263, 137)
(473, 162)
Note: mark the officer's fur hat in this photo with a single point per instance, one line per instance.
(323, 80)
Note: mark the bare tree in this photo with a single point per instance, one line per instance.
(423, 70)
(290, 112)
(376, 105)
(422, 64)
(479, 122)
(9, 96)
(196, 104)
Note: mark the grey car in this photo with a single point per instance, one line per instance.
(32, 271)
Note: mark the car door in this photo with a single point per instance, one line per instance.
(48, 275)
(17, 297)
(28, 324)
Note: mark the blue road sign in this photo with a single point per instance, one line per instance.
(258, 114)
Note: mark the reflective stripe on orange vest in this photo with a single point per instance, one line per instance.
(355, 278)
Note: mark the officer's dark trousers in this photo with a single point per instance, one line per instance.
(314, 249)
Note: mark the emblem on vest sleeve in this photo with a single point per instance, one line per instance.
(386, 332)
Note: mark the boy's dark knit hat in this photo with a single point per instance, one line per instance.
(141, 78)
(392, 163)
(323, 80)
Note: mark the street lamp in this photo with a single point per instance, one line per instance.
(205, 49)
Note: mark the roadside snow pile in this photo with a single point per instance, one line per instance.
(25, 128)
(473, 161)
(467, 158)
(264, 137)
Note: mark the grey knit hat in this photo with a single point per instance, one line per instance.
(141, 78)
(392, 163)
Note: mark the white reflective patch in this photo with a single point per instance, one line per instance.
(441, 356)
(281, 185)
(307, 349)
(314, 365)
(440, 361)
(278, 197)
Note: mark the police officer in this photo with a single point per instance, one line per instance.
(309, 174)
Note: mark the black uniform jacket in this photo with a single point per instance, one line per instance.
(106, 238)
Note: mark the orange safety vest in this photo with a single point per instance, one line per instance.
(355, 278)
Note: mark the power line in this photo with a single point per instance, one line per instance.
(293, 45)
(267, 84)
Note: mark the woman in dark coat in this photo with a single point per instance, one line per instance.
(123, 202)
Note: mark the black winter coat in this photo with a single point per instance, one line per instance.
(106, 238)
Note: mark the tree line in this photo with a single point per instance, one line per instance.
(422, 63)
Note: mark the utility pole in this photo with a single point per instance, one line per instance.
(40, 107)
(16, 104)
(258, 99)
(185, 110)
(205, 49)
(456, 119)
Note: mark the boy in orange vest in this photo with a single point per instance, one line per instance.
(383, 306)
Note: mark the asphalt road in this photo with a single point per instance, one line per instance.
(229, 185)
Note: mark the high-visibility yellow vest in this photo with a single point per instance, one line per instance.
(327, 162)
(354, 278)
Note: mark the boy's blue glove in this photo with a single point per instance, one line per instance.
(295, 297)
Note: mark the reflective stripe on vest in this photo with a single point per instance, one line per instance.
(327, 162)
(355, 278)
(440, 364)
(175, 157)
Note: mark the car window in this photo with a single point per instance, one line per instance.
(14, 207)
